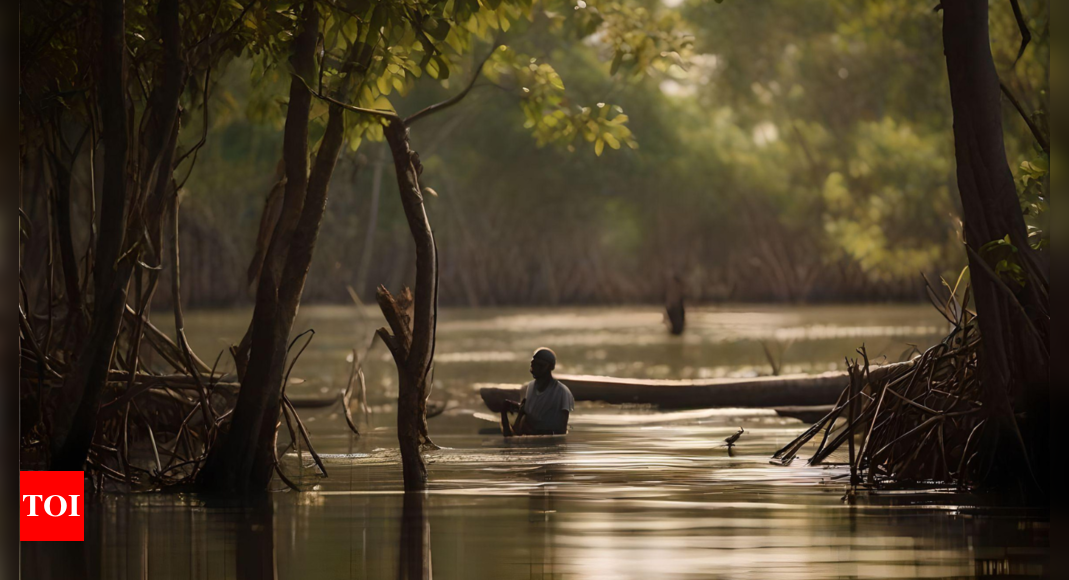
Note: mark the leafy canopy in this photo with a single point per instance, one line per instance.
(383, 48)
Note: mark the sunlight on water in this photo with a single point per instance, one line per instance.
(629, 493)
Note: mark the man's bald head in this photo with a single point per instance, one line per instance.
(543, 361)
(547, 355)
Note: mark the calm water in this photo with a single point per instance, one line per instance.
(630, 493)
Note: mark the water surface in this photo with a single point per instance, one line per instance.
(629, 493)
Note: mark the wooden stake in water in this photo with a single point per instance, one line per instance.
(854, 390)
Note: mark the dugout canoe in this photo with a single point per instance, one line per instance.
(798, 390)
(809, 414)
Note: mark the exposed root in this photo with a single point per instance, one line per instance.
(923, 424)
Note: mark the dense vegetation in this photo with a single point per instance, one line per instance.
(804, 153)
(773, 151)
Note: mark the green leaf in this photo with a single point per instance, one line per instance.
(440, 30)
(555, 80)
(616, 60)
(443, 68)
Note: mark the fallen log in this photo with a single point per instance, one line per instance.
(777, 391)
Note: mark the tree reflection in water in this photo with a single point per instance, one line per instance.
(414, 551)
(255, 543)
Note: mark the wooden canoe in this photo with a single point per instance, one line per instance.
(779, 391)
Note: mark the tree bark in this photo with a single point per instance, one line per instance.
(75, 419)
(295, 274)
(68, 259)
(113, 107)
(412, 342)
(230, 465)
(1014, 318)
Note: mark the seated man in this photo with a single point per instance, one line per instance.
(546, 401)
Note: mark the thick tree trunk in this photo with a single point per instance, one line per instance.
(68, 259)
(412, 342)
(245, 459)
(113, 108)
(75, 418)
(1014, 318)
(291, 287)
(229, 466)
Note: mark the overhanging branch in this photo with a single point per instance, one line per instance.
(388, 115)
(1042, 139)
(455, 98)
(1026, 35)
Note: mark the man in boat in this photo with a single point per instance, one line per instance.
(546, 403)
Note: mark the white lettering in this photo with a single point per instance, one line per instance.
(33, 503)
(62, 502)
(74, 506)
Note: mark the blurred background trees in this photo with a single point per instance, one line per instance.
(803, 152)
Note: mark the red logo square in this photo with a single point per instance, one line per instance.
(53, 506)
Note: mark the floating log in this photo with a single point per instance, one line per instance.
(808, 414)
(778, 391)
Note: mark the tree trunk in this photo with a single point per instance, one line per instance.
(68, 259)
(75, 420)
(298, 260)
(113, 107)
(412, 342)
(1014, 318)
(244, 459)
(230, 464)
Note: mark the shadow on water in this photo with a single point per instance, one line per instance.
(414, 546)
(254, 545)
(64, 560)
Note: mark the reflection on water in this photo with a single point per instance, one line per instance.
(630, 493)
(641, 500)
(414, 551)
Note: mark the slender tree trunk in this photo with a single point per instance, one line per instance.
(1014, 318)
(412, 342)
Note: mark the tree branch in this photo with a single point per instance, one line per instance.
(1026, 35)
(388, 115)
(455, 98)
(1043, 141)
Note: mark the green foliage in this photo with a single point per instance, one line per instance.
(383, 48)
(1002, 256)
(1033, 179)
(549, 113)
(640, 39)
(889, 207)
(796, 149)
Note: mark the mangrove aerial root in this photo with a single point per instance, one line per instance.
(923, 424)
